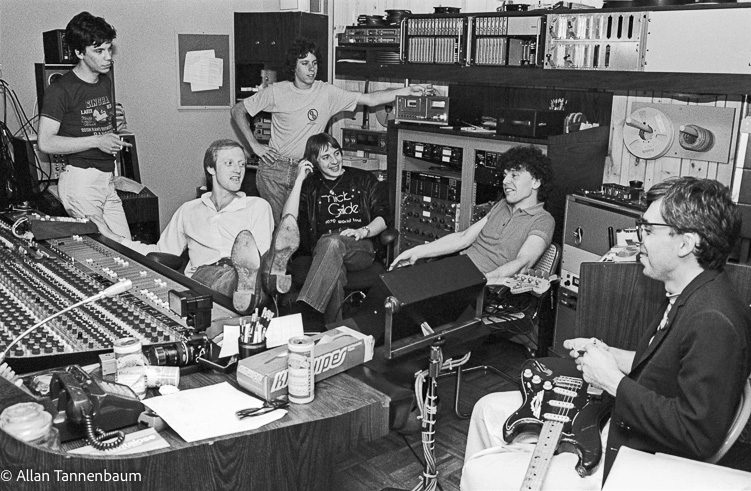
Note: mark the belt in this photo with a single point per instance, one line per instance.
(286, 160)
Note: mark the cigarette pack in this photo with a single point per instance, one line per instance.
(265, 374)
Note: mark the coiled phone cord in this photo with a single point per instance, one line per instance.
(98, 441)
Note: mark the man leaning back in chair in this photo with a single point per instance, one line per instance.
(340, 210)
(517, 230)
(228, 235)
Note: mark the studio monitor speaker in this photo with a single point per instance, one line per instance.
(436, 292)
(46, 75)
(56, 49)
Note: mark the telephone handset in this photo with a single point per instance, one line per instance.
(72, 398)
(78, 400)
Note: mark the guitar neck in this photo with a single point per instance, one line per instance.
(550, 435)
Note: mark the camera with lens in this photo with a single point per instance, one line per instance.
(178, 353)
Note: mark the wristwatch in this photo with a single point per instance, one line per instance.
(367, 231)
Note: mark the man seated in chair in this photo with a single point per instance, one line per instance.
(517, 230)
(679, 391)
(225, 232)
(340, 211)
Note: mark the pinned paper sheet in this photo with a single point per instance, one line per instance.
(203, 71)
(282, 328)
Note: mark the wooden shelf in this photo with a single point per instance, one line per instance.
(693, 83)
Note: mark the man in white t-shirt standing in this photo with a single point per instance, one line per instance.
(300, 108)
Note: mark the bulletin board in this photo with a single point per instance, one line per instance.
(191, 96)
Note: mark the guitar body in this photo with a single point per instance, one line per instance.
(565, 407)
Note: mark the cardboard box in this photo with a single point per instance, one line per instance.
(265, 374)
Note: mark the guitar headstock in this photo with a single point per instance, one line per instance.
(533, 281)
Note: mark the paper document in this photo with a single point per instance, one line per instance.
(282, 328)
(229, 341)
(203, 71)
(209, 412)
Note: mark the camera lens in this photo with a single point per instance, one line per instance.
(172, 354)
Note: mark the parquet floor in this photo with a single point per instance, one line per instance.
(389, 461)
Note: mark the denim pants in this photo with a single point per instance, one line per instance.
(333, 256)
(90, 191)
(220, 276)
(275, 182)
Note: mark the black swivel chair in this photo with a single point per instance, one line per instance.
(516, 317)
(357, 281)
(172, 261)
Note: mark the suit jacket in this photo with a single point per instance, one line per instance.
(684, 388)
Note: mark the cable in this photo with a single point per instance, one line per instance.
(409, 446)
(14, 229)
(96, 437)
(25, 123)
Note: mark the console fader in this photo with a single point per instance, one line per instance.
(36, 282)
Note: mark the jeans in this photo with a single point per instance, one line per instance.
(275, 182)
(92, 192)
(333, 256)
(220, 276)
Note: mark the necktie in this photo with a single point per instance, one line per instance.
(664, 321)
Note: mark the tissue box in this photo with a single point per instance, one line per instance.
(265, 374)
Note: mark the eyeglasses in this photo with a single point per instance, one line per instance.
(641, 224)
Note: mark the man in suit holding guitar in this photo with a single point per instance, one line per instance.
(679, 391)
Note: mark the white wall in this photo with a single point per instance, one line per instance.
(170, 143)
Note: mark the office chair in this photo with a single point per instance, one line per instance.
(357, 281)
(517, 316)
(739, 423)
(172, 261)
(507, 316)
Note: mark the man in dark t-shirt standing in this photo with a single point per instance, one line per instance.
(338, 210)
(77, 121)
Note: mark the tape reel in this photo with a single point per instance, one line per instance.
(384, 114)
(648, 133)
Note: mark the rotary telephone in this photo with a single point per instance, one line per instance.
(82, 407)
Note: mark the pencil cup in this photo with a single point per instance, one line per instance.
(250, 349)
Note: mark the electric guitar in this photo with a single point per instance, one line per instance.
(567, 413)
(522, 283)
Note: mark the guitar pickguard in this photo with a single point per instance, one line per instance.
(554, 392)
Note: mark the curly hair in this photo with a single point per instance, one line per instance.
(317, 144)
(704, 207)
(86, 30)
(299, 49)
(209, 158)
(532, 160)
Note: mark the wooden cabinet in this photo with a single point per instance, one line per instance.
(262, 39)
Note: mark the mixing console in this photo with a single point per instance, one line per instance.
(36, 282)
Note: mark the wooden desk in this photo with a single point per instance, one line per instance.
(296, 452)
